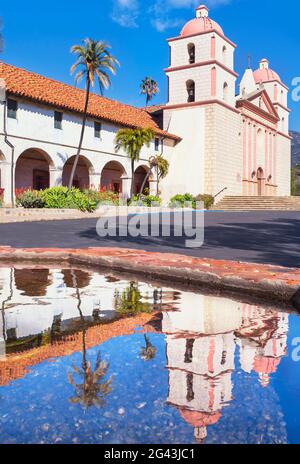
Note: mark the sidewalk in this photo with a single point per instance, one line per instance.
(9, 215)
(275, 283)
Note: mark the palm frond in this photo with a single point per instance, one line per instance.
(94, 59)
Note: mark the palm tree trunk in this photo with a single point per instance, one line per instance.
(87, 96)
(132, 178)
(144, 182)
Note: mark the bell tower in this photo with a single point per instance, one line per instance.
(201, 63)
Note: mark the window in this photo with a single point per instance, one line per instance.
(224, 54)
(191, 51)
(58, 116)
(156, 144)
(12, 107)
(190, 87)
(97, 130)
(225, 92)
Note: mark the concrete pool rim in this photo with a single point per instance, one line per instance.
(274, 283)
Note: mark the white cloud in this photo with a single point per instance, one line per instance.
(125, 12)
(162, 17)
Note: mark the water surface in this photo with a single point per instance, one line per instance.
(89, 358)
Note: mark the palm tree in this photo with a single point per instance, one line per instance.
(130, 302)
(94, 61)
(148, 352)
(132, 142)
(149, 88)
(161, 166)
(94, 387)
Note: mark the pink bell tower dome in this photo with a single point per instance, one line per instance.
(202, 23)
(265, 73)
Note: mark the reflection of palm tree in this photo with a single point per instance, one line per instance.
(130, 303)
(148, 352)
(93, 389)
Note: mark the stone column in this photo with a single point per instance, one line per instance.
(126, 186)
(55, 177)
(95, 181)
(5, 168)
(153, 187)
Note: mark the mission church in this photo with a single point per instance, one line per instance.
(215, 141)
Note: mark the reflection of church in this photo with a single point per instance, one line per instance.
(37, 306)
(201, 347)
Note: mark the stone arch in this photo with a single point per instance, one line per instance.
(260, 175)
(82, 177)
(190, 88)
(32, 170)
(139, 176)
(111, 176)
(191, 52)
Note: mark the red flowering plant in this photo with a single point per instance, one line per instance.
(104, 195)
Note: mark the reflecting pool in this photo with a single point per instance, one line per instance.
(91, 358)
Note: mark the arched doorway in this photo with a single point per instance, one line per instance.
(139, 177)
(260, 182)
(32, 170)
(82, 174)
(111, 176)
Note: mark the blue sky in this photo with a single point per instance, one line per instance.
(38, 36)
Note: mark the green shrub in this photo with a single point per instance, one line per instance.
(180, 200)
(62, 197)
(144, 200)
(31, 199)
(105, 197)
(207, 199)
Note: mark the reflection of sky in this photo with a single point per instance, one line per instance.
(36, 407)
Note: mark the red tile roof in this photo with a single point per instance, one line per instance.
(26, 84)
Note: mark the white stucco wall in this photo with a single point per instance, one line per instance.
(34, 129)
(186, 159)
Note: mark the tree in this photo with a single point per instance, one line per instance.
(94, 61)
(149, 88)
(294, 174)
(130, 302)
(148, 352)
(161, 166)
(94, 387)
(132, 142)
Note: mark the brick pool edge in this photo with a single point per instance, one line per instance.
(268, 281)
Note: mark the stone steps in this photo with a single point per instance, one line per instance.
(241, 203)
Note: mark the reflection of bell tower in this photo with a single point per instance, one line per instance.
(263, 341)
(200, 353)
